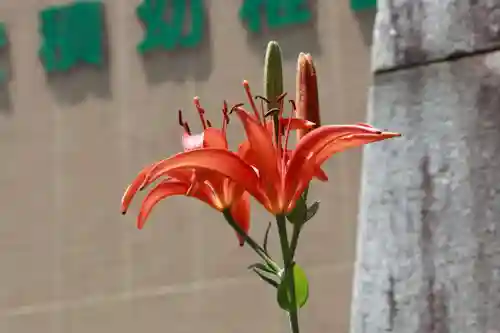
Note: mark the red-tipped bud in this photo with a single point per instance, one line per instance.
(307, 99)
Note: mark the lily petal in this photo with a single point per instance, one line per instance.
(214, 138)
(220, 161)
(262, 146)
(132, 189)
(162, 191)
(321, 175)
(314, 141)
(240, 210)
(351, 141)
(316, 159)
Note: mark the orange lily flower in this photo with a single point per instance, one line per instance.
(283, 177)
(261, 167)
(213, 188)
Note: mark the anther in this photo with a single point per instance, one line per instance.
(181, 121)
(263, 99)
(236, 106)
(281, 97)
(271, 112)
(225, 113)
(186, 128)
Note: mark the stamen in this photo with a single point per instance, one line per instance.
(194, 185)
(225, 117)
(183, 123)
(280, 115)
(280, 102)
(235, 107)
(201, 112)
(262, 98)
(262, 110)
(209, 124)
(287, 135)
(250, 99)
(186, 128)
(271, 112)
(294, 106)
(288, 130)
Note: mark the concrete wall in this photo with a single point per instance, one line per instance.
(70, 144)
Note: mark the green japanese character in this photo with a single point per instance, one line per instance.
(72, 34)
(278, 13)
(167, 34)
(359, 5)
(4, 41)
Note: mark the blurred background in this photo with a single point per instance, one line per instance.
(87, 99)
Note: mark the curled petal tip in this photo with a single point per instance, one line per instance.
(391, 134)
(310, 124)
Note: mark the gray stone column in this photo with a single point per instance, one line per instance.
(428, 255)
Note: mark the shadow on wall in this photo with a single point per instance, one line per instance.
(366, 23)
(5, 77)
(79, 83)
(293, 38)
(183, 54)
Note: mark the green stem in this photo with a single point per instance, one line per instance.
(295, 239)
(297, 227)
(276, 122)
(288, 271)
(249, 240)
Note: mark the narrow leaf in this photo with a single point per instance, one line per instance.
(262, 267)
(266, 237)
(311, 211)
(266, 278)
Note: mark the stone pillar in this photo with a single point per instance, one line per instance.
(428, 254)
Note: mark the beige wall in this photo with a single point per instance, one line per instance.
(70, 144)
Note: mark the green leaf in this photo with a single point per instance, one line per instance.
(311, 211)
(298, 214)
(266, 236)
(301, 290)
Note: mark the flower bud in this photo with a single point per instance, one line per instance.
(273, 74)
(307, 99)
